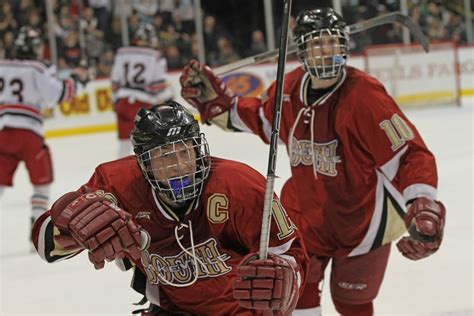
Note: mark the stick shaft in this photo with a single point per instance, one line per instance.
(280, 80)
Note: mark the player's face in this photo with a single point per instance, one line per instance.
(321, 49)
(173, 161)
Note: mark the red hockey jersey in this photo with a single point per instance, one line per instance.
(355, 160)
(224, 226)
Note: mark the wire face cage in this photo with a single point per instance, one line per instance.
(178, 169)
(323, 52)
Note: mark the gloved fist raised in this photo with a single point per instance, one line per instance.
(425, 221)
(205, 91)
(269, 285)
(98, 225)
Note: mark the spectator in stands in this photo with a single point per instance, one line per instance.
(106, 60)
(34, 20)
(226, 53)
(435, 31)
(174, 58)
(69, 51)
(90, 21)
(145, 9)
(94, 37)
(158, 23)
(65, 23)
(166, 9)
(8, 42)
(113, 36)
(211, 35)
(7, 19)
(133, 25)
(257, 45)
(194, 53)
(178, 22)
(379, 34)
(22, 9)
(185, 9)
(169, 37)
(102, 10)
(455, 29)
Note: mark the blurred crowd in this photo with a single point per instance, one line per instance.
(90, 31)
(439, 20)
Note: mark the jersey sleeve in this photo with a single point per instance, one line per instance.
(116, 73)
(53, 90)
(159, 84)
(43, 234)
(44, 231)
(254, 115)
(395, 144)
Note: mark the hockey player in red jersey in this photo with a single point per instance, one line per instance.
(28, 87)
(139, 79)
(361, 174)
(188, 222)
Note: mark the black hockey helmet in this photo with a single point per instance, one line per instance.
(165, 130)
(146, 36)
(28, 43)
(317, 19)
(321, 59)
(162, 124)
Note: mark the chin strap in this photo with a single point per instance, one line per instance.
(192, 254)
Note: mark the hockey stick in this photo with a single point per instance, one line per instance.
(351, 29)
(270, 183)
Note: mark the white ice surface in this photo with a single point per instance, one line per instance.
(439, 285)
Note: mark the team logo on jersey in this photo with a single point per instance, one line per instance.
(322, 154)
(174, 131)
(244, 84)
(180, 269)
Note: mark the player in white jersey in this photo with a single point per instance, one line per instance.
(138, 80)
(28, 87)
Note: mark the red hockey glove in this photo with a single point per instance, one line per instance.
(425, 220)
(205, 91)
(270, 285)
(99, 226)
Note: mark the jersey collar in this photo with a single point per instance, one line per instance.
(306, 84)
(168, 212)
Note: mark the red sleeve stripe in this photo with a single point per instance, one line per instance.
(18, 109)
(68, 90)
(157, 87)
